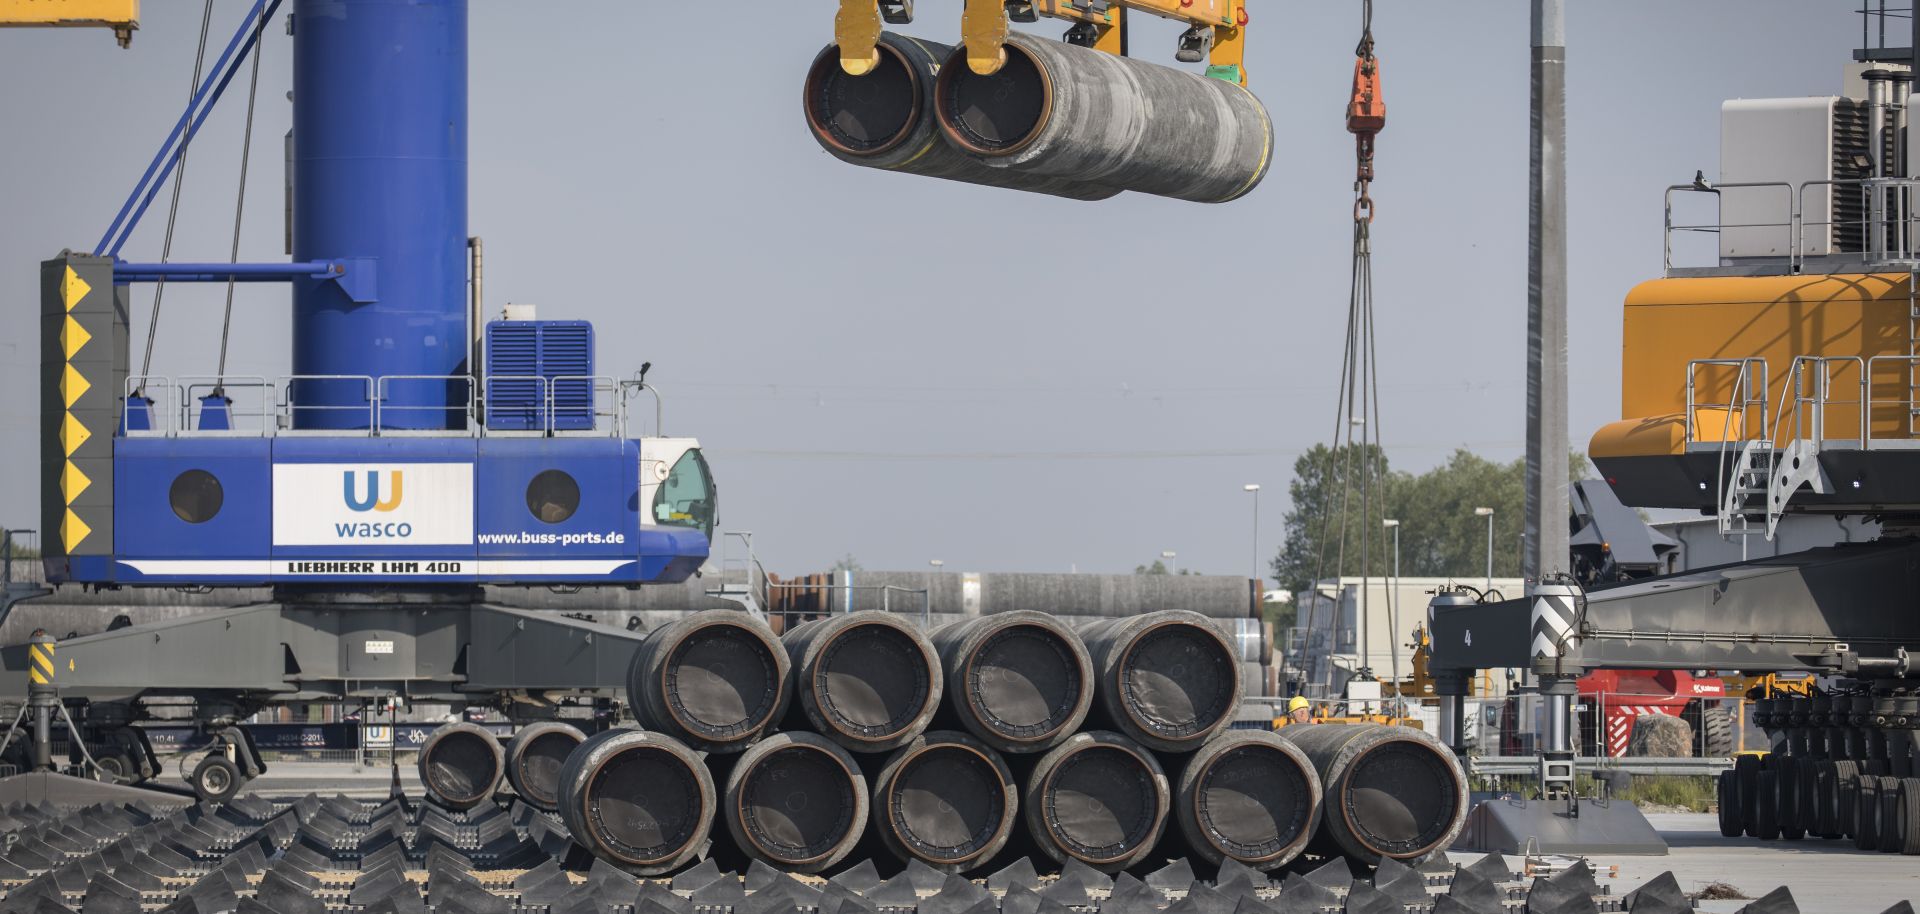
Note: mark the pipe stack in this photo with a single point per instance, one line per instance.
(1056, 119)
(1102, 747)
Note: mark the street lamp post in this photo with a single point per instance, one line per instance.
(1172, 566)
(1254, 488)
(1393, 600)
(1488, 514)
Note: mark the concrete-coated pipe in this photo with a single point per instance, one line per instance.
(1020, 681)
(1250, 796)
(1389, 791)
(460, 765)
(946, 800)
(1099, 798)
(535, 756)
(885, 120)
(796, 801)
(641, 801)
(867, 680)
(1065, 111)
(1168, 679)
(716, 680)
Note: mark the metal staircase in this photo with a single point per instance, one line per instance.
(1745, 506)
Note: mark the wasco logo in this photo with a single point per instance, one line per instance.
(396, 486)
(351, 505)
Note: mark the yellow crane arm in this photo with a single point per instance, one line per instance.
(1216, 29)
(122, 16)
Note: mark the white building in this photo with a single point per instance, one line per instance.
(1333, 613)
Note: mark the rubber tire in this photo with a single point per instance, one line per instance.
(1826, 802)
(1766, 819)
(1795, 805)
(1909, 816)
(1717, 740)
(1727, 791)
(1747, 769)
(1892, 825)
(115, 767)
(1844, 773)
(216, 767)
(1866, 812)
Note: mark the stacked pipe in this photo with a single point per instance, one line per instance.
(1056, 119)
(1842, 766)
(1104, 747)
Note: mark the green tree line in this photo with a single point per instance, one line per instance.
(1440, 536)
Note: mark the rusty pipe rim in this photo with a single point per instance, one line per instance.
(525, 782)
(1138, 839)
(1130, 705)
(686, 834)
(981, 844)
(831, 714)
(452, 738)
(1080, 664)
(826, 65)
(1285, 849)
(746, 819)
(1440, 828)
(756, 720)
(954, 69)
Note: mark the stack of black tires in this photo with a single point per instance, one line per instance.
(859, 736)
(1843, 766)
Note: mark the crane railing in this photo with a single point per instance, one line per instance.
(1806, 227)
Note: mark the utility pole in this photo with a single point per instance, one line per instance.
(1547, 459)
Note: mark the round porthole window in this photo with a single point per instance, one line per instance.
(196, 496)
(553, 496)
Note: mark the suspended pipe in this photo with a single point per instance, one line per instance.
(1389, 791)
(639, 800)
(716, 679)
(1098, 798)
(461, 764)
(946, 800)
(1169, 680)
(1248, 796)
(1065, 111)
(865, 680)
(796, 801)
(885, 120)
(535, 756)
(1021, 681)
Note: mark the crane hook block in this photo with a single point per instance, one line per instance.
(1367, 112)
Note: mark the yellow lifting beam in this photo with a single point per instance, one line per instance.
(122, 16)
(1216, 26)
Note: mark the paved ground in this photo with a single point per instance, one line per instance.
(1826, 877)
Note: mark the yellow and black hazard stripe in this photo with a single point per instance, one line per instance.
(40, 663)
(84, 366)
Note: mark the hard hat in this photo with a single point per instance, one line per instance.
(1296, 703)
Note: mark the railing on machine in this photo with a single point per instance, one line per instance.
(257, 406)
(1826, 403)
(1886, 235)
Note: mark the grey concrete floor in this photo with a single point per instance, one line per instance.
(1826, 877)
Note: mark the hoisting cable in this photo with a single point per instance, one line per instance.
(173, 209)
(240, 202)
(1358, 402)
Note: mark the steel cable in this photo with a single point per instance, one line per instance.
(173, 208)
(240, 201)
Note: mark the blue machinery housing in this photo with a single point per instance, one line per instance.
(385, 458)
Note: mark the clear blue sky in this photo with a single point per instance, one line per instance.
(906, 369)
